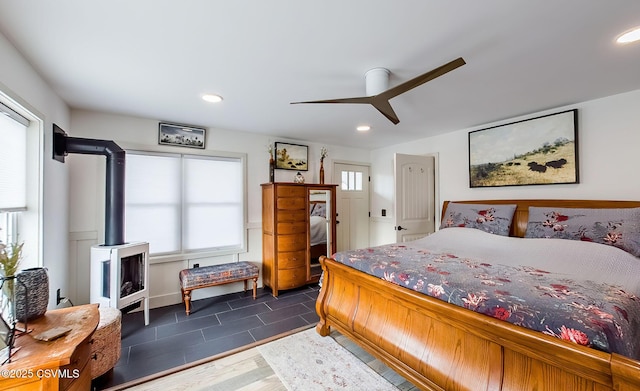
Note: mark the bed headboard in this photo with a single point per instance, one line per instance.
(521, 215)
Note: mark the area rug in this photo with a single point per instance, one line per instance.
(301, 361)
(307, 361)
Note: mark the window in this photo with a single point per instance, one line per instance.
(20, 179)
(351, 181)
(8, 227)
(183, 203)
(13, 171)
(13, 160)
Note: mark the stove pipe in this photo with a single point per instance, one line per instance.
(114, 198)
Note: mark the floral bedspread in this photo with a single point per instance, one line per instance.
(599, 315)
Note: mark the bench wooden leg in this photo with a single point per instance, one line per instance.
(255, 287)
(186, 298)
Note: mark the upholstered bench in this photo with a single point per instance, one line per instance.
(204, 277)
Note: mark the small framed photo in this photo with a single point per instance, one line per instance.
(181, 135)
(292, 156)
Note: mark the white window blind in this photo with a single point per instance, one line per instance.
(182, 203)
(153, 201)
(13, 160)
(213, 199)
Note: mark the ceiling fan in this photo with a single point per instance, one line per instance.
(377, 82)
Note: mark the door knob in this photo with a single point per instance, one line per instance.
(400, 228)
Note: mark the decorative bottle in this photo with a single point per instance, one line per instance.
(323, 154)
(272, 174)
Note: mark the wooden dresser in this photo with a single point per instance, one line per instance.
(286, 262)
(61, 364)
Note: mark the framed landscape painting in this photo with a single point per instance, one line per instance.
(181, 135)
(537, 151)
(292, 156)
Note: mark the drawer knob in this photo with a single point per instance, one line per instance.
(94, 356)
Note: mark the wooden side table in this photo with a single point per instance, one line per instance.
(61, 364)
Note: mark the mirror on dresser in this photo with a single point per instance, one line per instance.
(320, 223)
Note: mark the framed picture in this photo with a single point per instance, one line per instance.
(292, 156)
(537, 151)
(181, 135)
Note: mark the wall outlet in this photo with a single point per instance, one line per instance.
(384, 212)
(196, 265)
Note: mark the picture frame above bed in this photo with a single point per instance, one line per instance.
(292, 156)
(537, 151)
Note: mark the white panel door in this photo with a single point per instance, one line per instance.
(415, 196)
(352, 228)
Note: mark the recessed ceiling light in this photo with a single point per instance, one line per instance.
(212, 98)
(629, 36)
(363, 128)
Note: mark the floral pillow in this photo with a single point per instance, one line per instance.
(319, 209)
(495, 219)
(615, 227)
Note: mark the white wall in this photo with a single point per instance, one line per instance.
(608, 143)
(86, 197)
(21, 83)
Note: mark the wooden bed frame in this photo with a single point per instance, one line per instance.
(440, 346)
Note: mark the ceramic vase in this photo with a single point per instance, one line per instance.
(31, 293)
(321, 173)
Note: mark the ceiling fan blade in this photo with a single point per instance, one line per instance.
(363, 99)
(381, 101)
(419, 80)
(384, 107)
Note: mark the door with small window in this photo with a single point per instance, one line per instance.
(352, 206)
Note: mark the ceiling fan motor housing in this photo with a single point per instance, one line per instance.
(376, 80)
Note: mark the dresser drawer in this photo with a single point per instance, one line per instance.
(291, 191)
(291, 259)
(83, 382)
(292, 242)
(78, 365)
(291, 203)
(292, 278)
(292, 227)
(298, 215)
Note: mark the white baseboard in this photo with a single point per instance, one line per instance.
(165, 300)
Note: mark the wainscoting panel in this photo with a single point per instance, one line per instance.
(163, 276)
(79, 265)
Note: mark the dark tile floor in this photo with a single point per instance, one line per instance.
(216, 325)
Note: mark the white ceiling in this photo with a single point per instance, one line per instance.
(154, 59)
